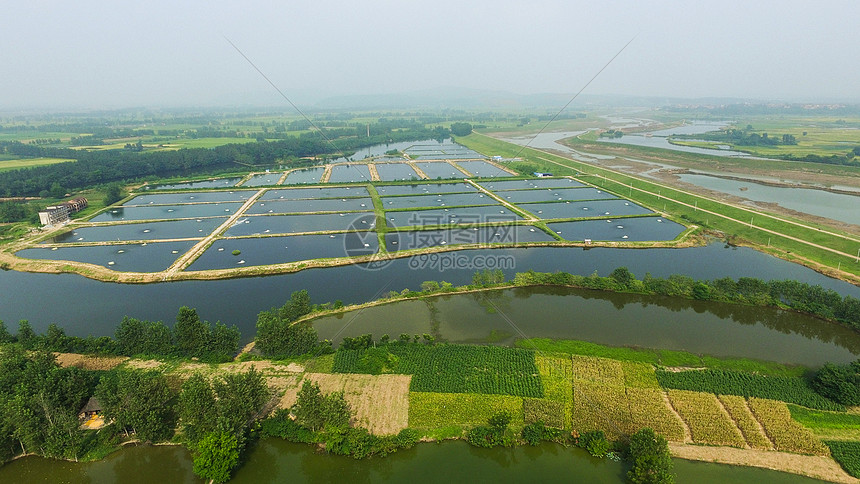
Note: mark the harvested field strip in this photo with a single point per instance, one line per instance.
(751, 429)
(708, 422)
(435, 410)
(380, 402)
(786, 434)
(550, 412)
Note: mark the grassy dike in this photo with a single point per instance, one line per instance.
(821, 248)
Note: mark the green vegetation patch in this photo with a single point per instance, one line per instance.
(847, 454)
(816, 419)
(435, 410)
(786, 389)
(448, 368)
(549, 412)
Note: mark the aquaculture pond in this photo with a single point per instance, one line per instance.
(314, 193)
(535, 183)
(144, 257)
(305, 175)
(285, 224)
(178, 229)
(614, 319)
(553, 194)
(439, 169)
(216, 183)
(424, 189)
(191, 197)
(588, 209)
(395, 171)
(238, 301)
(507, 234)
(350, 172)
(622, 229)
(278, 250)
(436, 200)
(309, 206)
(167, 212)
(263, 179)
(483, 169)
(484, 214)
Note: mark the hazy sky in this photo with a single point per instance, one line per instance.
(166, 53)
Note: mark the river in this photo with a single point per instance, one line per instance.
(274, 460)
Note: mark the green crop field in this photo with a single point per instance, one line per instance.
(30, 163)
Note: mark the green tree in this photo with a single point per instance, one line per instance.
(113, 194)
(240, 399)
(26, 336)
(652, 463)
(140, 401)
(5, 335)
(196, 408)
(217, 455)
(224, 341)
(308, 408)
(622, 277)
(461, 129)
(190, 333)
(839, 382)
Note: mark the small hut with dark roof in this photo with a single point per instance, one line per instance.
(93, 407)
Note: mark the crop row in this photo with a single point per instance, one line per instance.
(783, 388)
(750, 428)
(847, 454)
(437, 410)
(447, 368)
(786, 434)
(708, 423)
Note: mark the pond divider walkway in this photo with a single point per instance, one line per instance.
(192, 254)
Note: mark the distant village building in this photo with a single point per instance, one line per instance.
(92, 408)
(59, 214)
(54, 215)
(542, 175)
(497, 158)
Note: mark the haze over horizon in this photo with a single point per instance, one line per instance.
(162, 54)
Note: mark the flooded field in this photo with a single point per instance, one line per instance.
(444, 150)
(482, 169)
(485, 214)
(587, 209)
(167, 212)
(315, 193)
(554, 194)
(535, 183)
(286, 224)
(625, 229)
(145, 257)
(442, 170)
(179, 229)
(308, 206)
(420, 239)
(190, 197)
(395, 172)
(350, 172)
(437, 200)
(217, 183)
(279, 250)
(305, 175)
(262, 180)
(424, 189)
